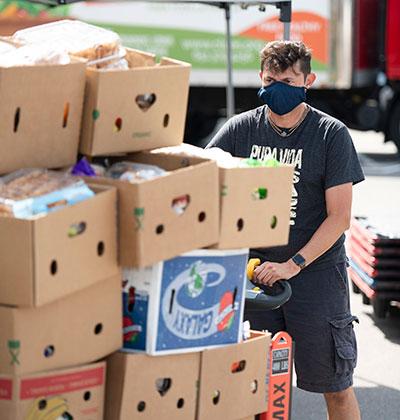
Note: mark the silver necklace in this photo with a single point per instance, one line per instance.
(286, 133)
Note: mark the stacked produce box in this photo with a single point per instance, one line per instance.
(375, 265)
(165, 225)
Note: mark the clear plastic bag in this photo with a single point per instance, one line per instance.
(222, 158)
(30, 192)
(38, 54)
(134, 172)
(6, 47)
(119, 64)
(75, 37)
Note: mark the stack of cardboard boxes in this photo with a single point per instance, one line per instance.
(60, 306)
(60, 294)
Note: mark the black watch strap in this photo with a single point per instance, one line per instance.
(299, 260)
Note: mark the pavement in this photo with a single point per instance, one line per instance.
(377, 376)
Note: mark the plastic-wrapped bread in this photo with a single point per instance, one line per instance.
(37, 54)
(31, 192)
(133, 172)
(75, 37)
(6, 47)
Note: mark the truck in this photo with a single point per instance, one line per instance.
(355, 44)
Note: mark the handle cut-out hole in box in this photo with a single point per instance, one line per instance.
(163, 385)
(17, 118)
(145, 101)
(76, 229)
(65, 114)
(260, 193)
(238, 366)
(180, 204)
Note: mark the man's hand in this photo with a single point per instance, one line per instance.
(269, 272)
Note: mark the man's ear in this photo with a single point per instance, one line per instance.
(310, 79)
(261, 75)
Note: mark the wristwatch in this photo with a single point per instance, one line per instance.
(299, 260)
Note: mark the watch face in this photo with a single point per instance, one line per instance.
(299, 260)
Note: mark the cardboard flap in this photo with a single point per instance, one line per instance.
(137, 58)
(10, 346)
(115, 385)
(16, 260)
(165, 61)
(169, 162)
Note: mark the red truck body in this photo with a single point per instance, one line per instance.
(393, 40)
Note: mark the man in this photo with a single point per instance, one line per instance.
(326, 167)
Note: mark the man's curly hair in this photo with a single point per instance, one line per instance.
(278, 56)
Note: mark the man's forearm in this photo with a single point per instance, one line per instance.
(324, 237)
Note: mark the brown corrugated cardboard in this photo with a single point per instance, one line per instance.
(41, 110)
(76, 393)
(255, 206)
(141, 108)
(77, 329)
(255, 202)
(232, 379)
(42, 259)
(146, 387)
(149, 229)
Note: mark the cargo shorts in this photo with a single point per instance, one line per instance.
(319, 320)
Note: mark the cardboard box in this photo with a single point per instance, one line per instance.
(149, 229)
(40, 115)
(141, 108)
(76, 393)
(233, 379)
(49, 257)
(255, 206)
(80, 328)
(147, 387)
(255, 202)
(185, 304)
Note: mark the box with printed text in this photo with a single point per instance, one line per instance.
(187, 303)
(74, 393)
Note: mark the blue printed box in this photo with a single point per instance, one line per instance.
(187, 303)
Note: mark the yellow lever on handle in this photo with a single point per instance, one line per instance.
(251, 266)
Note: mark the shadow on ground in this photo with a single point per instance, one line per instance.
(376, 402)
(390, 326)
(375, 164)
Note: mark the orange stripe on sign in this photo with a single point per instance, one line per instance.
(308, 27)
(60, 384)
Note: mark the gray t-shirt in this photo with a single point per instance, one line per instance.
(323, 154)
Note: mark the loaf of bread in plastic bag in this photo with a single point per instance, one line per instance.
(77, 38)
(31, 192)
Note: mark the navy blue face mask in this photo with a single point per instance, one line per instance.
(282, 98)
